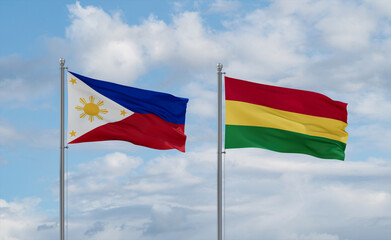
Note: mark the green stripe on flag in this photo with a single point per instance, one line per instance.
(283, 141)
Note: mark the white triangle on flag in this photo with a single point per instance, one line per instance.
(88, 109)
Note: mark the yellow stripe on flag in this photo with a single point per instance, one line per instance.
(247, 114)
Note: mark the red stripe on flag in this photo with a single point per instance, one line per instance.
(286, 99)
(146, 130)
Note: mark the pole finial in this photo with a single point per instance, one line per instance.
(62, 61)
(219, 67)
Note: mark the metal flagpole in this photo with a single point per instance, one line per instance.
(62, 231)
(219, 153)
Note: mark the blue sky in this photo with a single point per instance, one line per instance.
(338, 48)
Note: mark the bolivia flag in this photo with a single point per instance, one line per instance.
(100, 111)
(284, 120)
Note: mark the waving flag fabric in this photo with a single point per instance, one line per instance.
(284, 120)
(101, 111)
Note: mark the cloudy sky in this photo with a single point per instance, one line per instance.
(120, 191)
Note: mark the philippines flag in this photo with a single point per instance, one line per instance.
(101, 111)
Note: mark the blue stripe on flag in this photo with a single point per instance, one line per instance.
(168, 107)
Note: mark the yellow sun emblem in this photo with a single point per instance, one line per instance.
(91, 109)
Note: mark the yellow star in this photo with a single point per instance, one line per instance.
(123, 112)
(73, 133)
(73, 81)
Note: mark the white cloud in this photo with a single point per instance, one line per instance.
(175, 196)
(264, 190)
(263, 45)
(11, 134)
(201, 100)
(340, 25)
(310, 44)
(369, 137)
(103, 44)
(119, 52)
(111, 166)
(314, 45)
(8, 133)
(165, 219)
(296, 45)
(21, 220)
(24, 81)
(311, 236)
(374, 105)
(382, 7)
(278, 164)
(224, 6)
(11, 86)
(186, 45)
(347, 25)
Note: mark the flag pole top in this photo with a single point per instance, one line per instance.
(62, 61)
(219, 67)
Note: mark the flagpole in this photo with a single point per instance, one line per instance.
(219, 153)
(62, 232)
